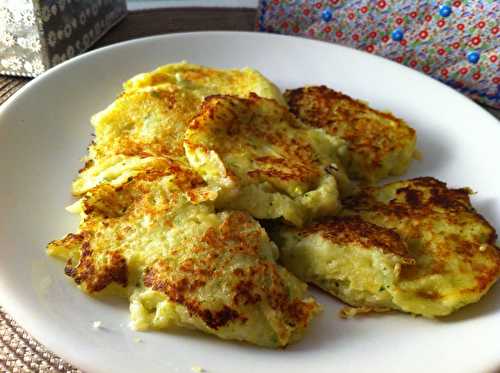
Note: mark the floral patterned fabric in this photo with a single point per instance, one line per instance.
(456, 42)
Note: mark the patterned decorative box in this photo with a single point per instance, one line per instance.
(36, 35)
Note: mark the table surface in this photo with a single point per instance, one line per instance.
(18, 351)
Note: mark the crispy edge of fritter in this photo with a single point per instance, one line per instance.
(420, 199)
(299, 165)
(302, 163)
(313, 105)
(353, 233)
(354, 230)
(99, 205)
(175, 73)
(238, 232)
(180, 281)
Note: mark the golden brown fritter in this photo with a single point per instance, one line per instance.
(184, 265)
(354, 230)
(346, 256)
(148, 120)
(454, 247)
(415, 246)
(205, 81)
(226, 282)
(116, 223)
(263, 160)
(380, 144)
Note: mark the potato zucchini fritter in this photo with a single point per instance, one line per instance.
(148, 120)
(263, 160)
(416, 246)
(205, 81)
(346, 256)
(224, 281)
(184, 265)
(380, 144)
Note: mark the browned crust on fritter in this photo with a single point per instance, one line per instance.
(88, 163)
(416, 207)
(341, 115)
(421, 197)
(185, 178)
(297, 160)
(109, 209)
(354, 230)
(178, 290)
(89, 273)
(197, 74)
(135, 106)
(213, 260)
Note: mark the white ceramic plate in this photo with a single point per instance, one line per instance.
(44, 131)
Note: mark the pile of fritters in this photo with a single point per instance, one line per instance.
(188, 159)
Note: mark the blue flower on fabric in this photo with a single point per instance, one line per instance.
(397, 34)
(326, 15)
(445, 11)
(473, 57)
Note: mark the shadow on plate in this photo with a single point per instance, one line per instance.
(203, 338)
(488, 304)
(487, 207)
(435, 155)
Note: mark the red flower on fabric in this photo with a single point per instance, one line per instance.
(311, 32)
(327, 29)
(413, 14)
(460, 26)
(399, 59)
(318, 5)
(493, 58)
(373, 34)
(456, 45)
(385, 38)
(296, 29)
(351, 16)
(403, 42)
(441, 23)
(423, 34)
(476, 40)
(426, 68)
(496, 80)
(444, 72)
(463, 70)
(333, 2)
(476, 76)
(284, 25)
(276, 2)
(306, 12)
(494, 30)
(457, 3)
(441, 51)
(355, 37)
(339, 34)
(428, 18)
(399, 20)
(370, 48)
(364, 9)
(382, 4)
(481, 24)
(413, 63)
